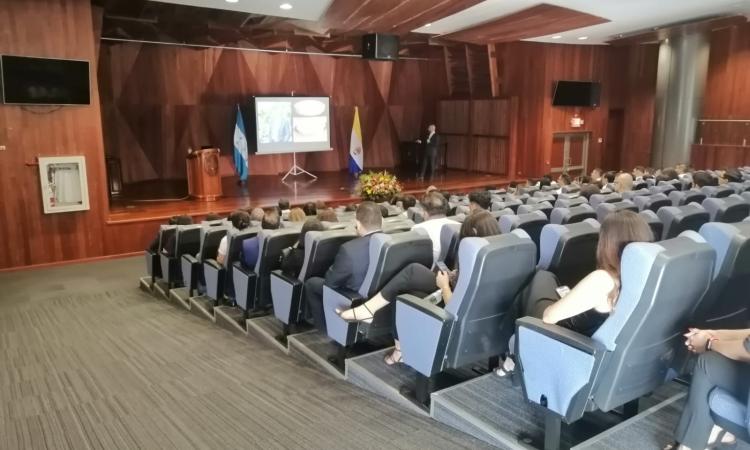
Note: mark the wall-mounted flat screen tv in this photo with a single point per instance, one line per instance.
(42, 81)
(577, 93)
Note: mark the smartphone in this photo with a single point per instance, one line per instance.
(442, 267)
(562, 291)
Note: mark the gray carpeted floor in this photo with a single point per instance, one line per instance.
(89, 361)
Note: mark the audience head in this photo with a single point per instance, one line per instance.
(638, 172)
(297, 215)
(648, 171)
(283, 204)
(480, 200)
(596, 174)
(369, 218)
(564, 179)
(310, 209)
(608, 177)
(680, 168)
(624, 183)
(584, 179)
(618, 230)
(350, 208)
(309, 225)
(270, 221)
(702, 178)
(212, 216)
(320, 205)
(513, 185)
(240, 219)
(733, 176)
(670, 174)
(480, 224)
(430, 189)
(408, 201)
(328, 215)
(181, 220)
(545, 181)
(587, 190)
(256, 215)
(435, 204)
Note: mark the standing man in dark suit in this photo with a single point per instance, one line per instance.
(350, 266)
(431, 144)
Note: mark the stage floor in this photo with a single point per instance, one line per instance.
(161, 199)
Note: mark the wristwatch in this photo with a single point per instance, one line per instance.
(709, 343)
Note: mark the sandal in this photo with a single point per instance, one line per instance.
(355, 319)
(390, 360)
(506, 368)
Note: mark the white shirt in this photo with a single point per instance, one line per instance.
(433, 228)
(223, 246)
(429, 136)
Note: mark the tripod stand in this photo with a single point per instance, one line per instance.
(297, 170)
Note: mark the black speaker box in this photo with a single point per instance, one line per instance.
(380, 46)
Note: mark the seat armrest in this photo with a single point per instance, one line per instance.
(423, 305)
(279, 274)
(213, 263)
(338, 329)
(190, 258)
(560, 334)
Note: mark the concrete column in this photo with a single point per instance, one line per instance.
(680, 83)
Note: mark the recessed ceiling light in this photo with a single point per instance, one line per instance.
(557, 37)
(428, 25)
(232, 1)
(285, 6)
(583, 38)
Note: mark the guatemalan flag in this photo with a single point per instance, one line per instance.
(240, 147)
(356, 155)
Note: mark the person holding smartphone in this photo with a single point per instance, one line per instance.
(421, 281)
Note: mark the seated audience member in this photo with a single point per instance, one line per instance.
(587, 190)
(544, 181)
(430, 189)
(479, 200)
(670, 174)
(174, 220)
(420, 280)
(596, 175)
(352, 207)
(310, 209)
(607, 179)
(328, 215)
(724, 362)
(680, 168)
(562, 181)
(623, 183)
(250, 247)
(409, 201)
(320, 205)
(256, 215)
(240, 221)
(293, 257)
(284, 208)
(350, 266)
(297, 215)
(435, 208)
(638, 173)
(584, 179)
(733, 176)
(210, 217)
(384, 211)
(700, 179)
(590, 302)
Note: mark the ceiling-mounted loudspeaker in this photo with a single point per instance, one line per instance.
(380, 46)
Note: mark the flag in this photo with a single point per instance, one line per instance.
(240, 147)
(356, 154)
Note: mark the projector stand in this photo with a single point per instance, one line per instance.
(297, 170)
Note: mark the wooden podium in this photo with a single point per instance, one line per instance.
(204, 177)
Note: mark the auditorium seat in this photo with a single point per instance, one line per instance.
(662, 189)
(473, 326)
(389, 254)
(731, 413)
(681, 198)
(545, 207)
(563, 202)
(287, 293)
(449, 237)
(502, 212)
(397, 226)
(153, 265)
(631, 354)
(532, 223)
(652, 202)
(569, 251)
(637, 186)
(186, 242)
(570, 189)
(726, 306)
(676, 184)
(677, 219)
(728, 209)
(739, 188)
(717, 191)
(536, 199)
(415, 214)
(562, 216)
(511, 203)
(253, 287)
(598, 199)
(218, 277)
(635, 193)
(211, 236)
(653, 221)
(605, 208)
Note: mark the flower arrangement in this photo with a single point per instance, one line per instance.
(378, 186)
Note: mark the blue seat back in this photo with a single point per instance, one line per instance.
(449, 236)
(717, 191)
(545, 207)
(652, 202)
(728, 209)
(389, 253)
(532, 223)
(575, 214)
(570, 202)
(677, 219)
(598, 199)
(271, 244)
(210, 239)
(680, 198)
(569, 251)
(321, 248)
(604, 209)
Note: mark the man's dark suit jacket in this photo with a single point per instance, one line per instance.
(433, 145)
(350, 266)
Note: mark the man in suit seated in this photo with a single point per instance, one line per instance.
(435, 206)
(251, 247)
(350, 266)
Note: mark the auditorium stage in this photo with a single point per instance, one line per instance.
(138, 203)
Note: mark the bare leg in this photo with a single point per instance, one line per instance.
(365, 311)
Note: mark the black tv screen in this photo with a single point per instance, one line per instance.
(576, 93)
(41, 81)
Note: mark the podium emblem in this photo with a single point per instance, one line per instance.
(212, 164)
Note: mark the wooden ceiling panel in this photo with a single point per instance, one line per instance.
(540, 20)
(389, 16)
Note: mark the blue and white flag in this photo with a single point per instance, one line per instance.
(356, 154)
(240, 147)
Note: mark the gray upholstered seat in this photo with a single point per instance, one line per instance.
(604, 209)
(569, 251)
(218, 277)
(397, 226)
(676, 184)
(562, 216)
(532, 223)
(632, 352)
(153, 265)
(545, 207)
(210, 238)
(321, 248)
(677, 219)
(253, 287)
(598, 199)
(739, 188)
(728, 209)
(629, 195)
(544, 197)
(731, 413)
(652, 202)
(511, 203)
(662, 188)
(186, 242)
(474, 325)
(389, 254)
(680, 198)
(726, 305)
(570, 202)
(415, 214)
(653, 221)
(449, 237)
(717, 191)
(502, 212)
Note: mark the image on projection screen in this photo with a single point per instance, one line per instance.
(292, 124)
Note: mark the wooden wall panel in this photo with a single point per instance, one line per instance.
(453, 116)
(158, 101)
(56, 29)
(719, 156)
(457, 156)
(490, 154)
(728, 84)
